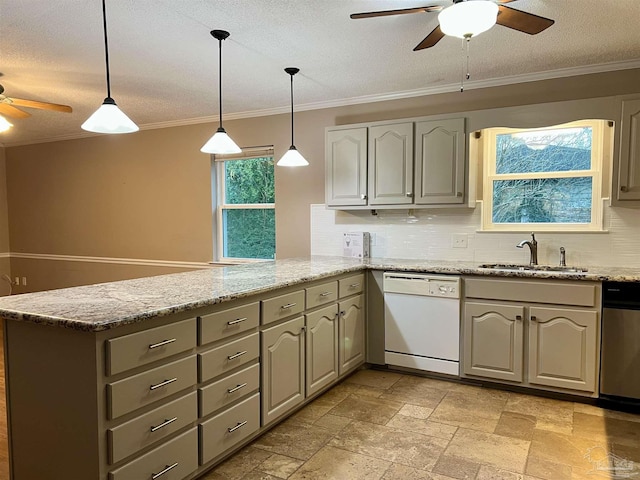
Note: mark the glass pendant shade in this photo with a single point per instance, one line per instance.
(468, 18)
(109, 119)
(220, 143)
(292, 158)
(5, 124)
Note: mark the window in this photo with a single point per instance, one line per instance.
(545, 178)
(245, 209)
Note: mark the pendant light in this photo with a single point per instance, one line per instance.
(5, 124)
(108, 118)
(292, 157)
(220, 142)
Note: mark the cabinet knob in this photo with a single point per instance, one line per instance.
(459, 194)
(624, 189)
(534, 318)
(363, 196)
(518, 317)
(409, 194)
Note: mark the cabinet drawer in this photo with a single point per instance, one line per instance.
(228, 322)
(284, 306)
(139, 390)
(225, 358)
(129, 351)
(221, 393)
(228, 428)
(582, 294)
(351, 285)
(134, 435)
(178, 458)
(321, 294)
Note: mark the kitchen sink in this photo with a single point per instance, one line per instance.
(532, 268)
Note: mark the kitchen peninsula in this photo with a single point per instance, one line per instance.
(128, 379)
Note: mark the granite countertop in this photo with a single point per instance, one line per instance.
(109, 305)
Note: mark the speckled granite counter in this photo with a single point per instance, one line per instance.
(109, 305)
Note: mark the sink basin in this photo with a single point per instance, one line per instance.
(533, 268)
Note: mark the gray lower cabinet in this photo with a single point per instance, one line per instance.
(283, 372)
(351, 333)
(553, 347)
(493, 340)
(322, 348)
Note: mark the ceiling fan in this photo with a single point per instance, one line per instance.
(9, 106)
(464, 13)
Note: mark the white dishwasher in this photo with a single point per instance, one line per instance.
(422, 321)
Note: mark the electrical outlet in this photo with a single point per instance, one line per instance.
(17, 281)
(24, 281)
(459, 240)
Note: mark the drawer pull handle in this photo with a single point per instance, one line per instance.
(166, 469)
(164, 424)
(163, 384)
(288, 305)
(354, 285)
(162, 343)
(239, 354)
(236, 321)
(239, 425)
(325, 294)
(236, 388)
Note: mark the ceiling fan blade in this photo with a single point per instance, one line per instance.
(11, 111)
(402, 11)
(41, 105)
(430, 40)
(522, 21)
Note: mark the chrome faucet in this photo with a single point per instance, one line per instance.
(533, 247)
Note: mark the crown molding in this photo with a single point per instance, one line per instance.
(452, 87)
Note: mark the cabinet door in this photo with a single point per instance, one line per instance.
(351, 333)
(282, 368)
(322, 348)
(440, 161)
(629, 162)
(346, 167)
(391, 164)
(563, 348)
(493, 340)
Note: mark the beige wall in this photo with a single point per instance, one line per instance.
(5, 263)
(148, 195)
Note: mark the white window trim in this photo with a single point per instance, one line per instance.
(595, 172)
(219, 209)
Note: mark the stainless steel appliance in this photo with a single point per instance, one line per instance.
(620, 357)
(422, 322)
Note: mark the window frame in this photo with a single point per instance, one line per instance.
(218, 181)
(595, 172)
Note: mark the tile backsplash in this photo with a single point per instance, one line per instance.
(453, 235)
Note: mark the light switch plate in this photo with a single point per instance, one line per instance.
(459, 240)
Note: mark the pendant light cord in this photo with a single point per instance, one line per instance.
(292, 142)
(106, 47)
(220, 79)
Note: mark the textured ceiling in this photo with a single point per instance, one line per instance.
(164, 61)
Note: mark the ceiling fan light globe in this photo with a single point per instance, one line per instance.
(469, 18)
(4, 124)
(109, 119)
(220, 143)
(292, 158)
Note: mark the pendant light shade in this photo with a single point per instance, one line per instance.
(220, 143)
(108, 118)
(5, 124)
(292, 157)
(468, 18)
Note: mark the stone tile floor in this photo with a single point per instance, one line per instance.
(391, 426)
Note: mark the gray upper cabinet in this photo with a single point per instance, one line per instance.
(417, 163)
(391, 164)
(629, 161)
(346, 167)
(440, 161)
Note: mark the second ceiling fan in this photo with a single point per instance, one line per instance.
(463, 10)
